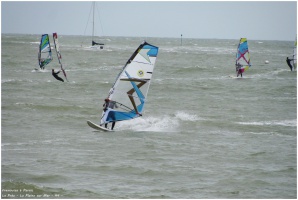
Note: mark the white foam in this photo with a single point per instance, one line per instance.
(292, 123)
(40, 70)
(8, 80)
(14, 80)
(169, 123)
(186, 117)
(152, 124)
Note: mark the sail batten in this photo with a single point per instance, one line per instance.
(128, 94)
(45, 53)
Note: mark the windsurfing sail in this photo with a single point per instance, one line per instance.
(45, 53)
(57, 48)
(127, 97)
(242, 57)
(295, 54)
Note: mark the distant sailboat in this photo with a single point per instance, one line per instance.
(242, 57)
(127, 97)
(44, 53)
(93, 43)
(57, 48)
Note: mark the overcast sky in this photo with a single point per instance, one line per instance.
(195, 19)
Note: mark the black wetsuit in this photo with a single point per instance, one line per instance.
(56, 76)
(289, 63)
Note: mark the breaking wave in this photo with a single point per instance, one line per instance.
(292, 123)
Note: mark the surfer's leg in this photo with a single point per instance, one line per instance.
(113, 125)
(60, 79)
(290, 65)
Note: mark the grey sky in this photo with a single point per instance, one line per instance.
(195, 19)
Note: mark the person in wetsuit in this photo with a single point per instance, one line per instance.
(238, 69)
(55, 74)
(289, 63)
(109, 104)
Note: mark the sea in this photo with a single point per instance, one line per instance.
(204, 133)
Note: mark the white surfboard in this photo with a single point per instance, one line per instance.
(98, 127)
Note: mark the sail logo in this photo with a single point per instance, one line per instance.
(141, 73)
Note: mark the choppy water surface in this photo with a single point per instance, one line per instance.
(204, 134)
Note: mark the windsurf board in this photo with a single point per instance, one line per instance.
(98, 127)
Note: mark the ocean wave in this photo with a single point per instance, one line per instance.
(40, 70)
(8, 80)
(291, 123)
(34, 43)
(15, 80)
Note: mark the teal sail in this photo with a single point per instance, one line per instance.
(45, 53)
(128, 95)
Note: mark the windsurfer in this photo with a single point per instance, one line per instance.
(289, 63)
(110, 104)
(238, 69)
(55, 74)
(42, 63)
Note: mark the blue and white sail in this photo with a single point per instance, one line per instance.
(45, 53)
(128, 95)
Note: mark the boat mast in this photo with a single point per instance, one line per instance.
(93, 23)
(94, 43)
